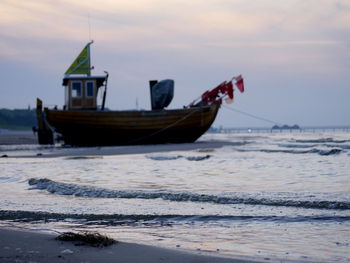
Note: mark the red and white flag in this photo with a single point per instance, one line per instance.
(240, 83)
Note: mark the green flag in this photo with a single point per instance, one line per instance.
(81, 65)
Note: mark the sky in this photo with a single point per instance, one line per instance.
(294, 55)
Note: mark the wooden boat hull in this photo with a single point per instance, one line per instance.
(97, 128)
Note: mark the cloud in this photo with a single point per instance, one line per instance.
(303, 36)
(173, 23)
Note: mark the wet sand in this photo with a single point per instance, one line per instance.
(201, 146)
(28, 138)
(24, 246)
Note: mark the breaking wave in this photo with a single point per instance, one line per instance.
(298, 146)
(318, 151)
(175, 157)
(82, 157)
(304, 146)
(95, 192)
(321, 140)
(123, 219)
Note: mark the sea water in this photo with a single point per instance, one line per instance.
(270, 195)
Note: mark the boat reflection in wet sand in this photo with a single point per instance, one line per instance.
(82, 122)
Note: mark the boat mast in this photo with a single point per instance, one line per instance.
(104, 93)
(89, 58)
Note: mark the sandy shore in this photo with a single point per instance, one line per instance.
(24, 246)
(201, 146)
(27, 138)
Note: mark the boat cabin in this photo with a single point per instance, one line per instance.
(81, 91)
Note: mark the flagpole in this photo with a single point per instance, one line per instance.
(105, 92)
(89, 58)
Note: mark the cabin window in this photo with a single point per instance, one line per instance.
(89, 89)
(76, 89)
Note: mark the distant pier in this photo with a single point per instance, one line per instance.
(306, 129)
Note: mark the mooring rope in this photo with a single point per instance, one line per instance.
(251, 115)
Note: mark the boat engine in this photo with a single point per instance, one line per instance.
(162, 93)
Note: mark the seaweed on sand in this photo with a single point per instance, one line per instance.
(86, 238)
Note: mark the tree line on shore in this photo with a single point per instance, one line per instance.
(17, 119)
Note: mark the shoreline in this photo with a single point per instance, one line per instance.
(18, 245)
(17, 138)
(43, 151)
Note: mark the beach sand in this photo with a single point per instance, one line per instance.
(27, 138)
(204, 147)
(25, 246)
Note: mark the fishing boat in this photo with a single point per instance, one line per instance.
(82, 122)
